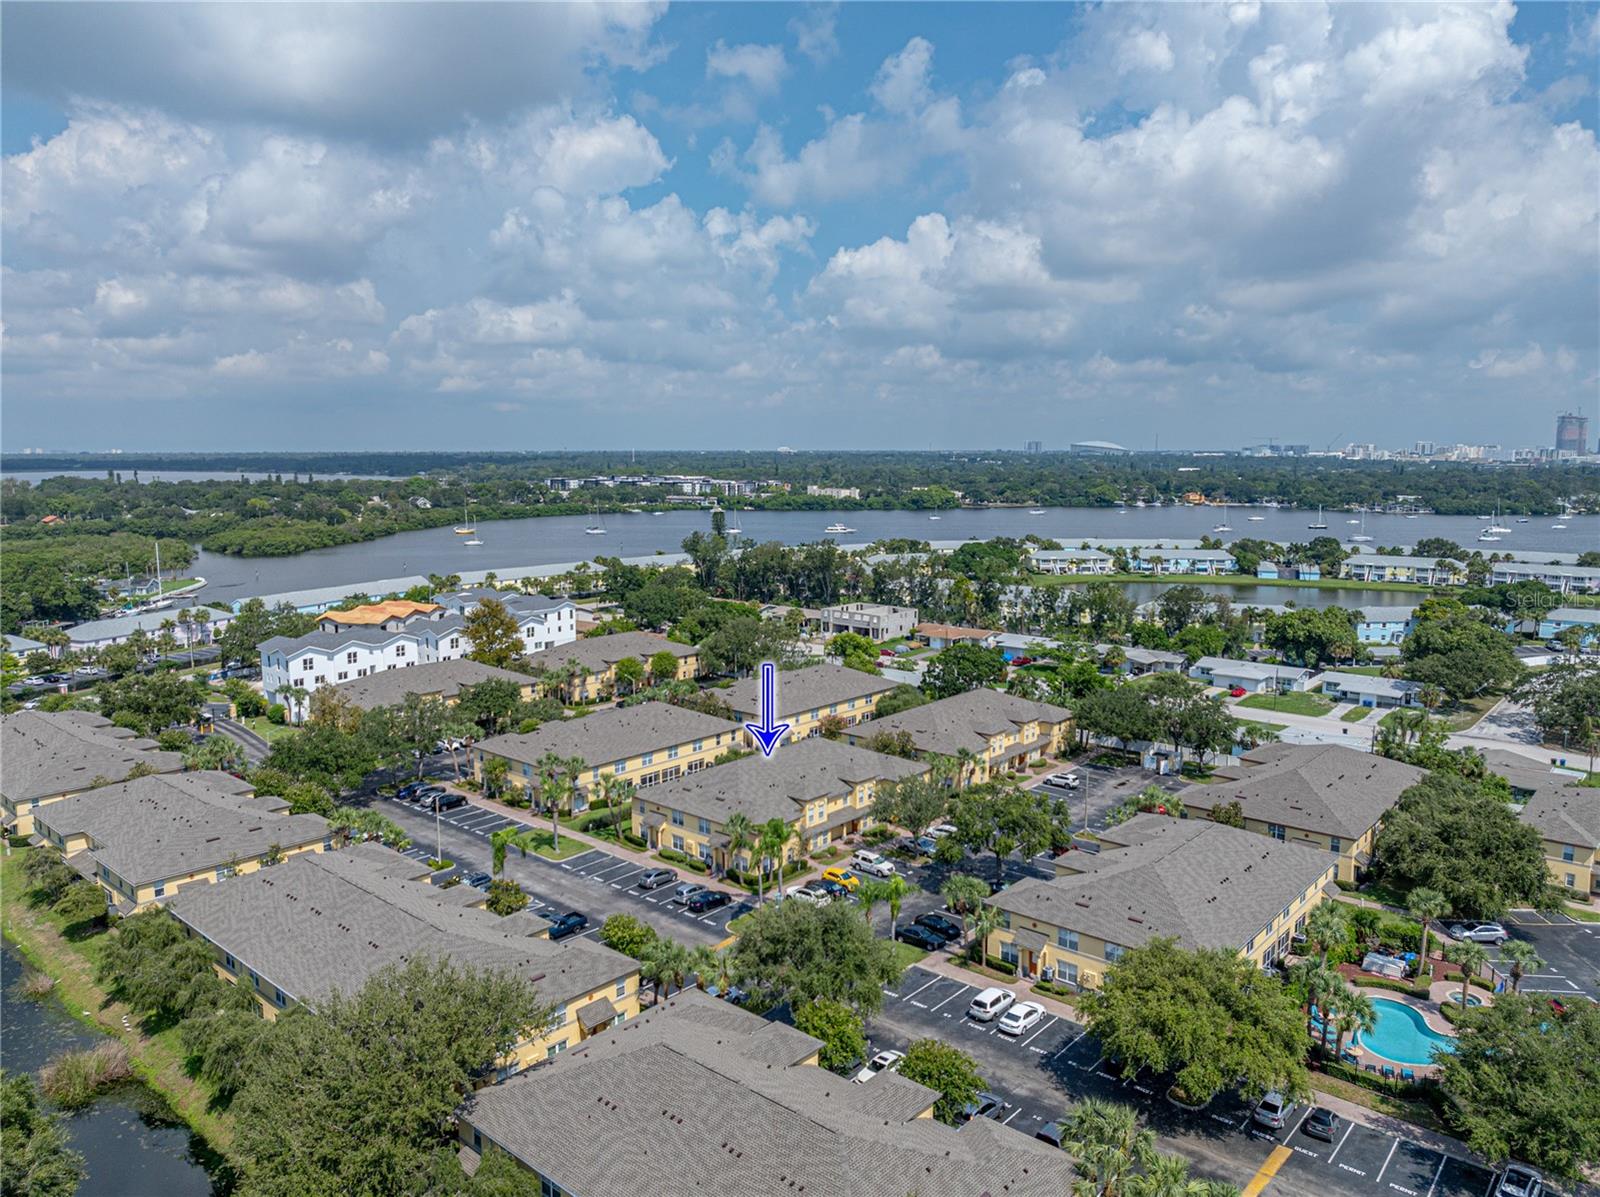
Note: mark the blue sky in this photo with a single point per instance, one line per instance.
(761, 224)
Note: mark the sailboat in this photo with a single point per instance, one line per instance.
(1497, 526)
(1224, 526)
(1362, 535)
(1321, 523)
(1558, 525)
(1487, 534)
(466, 528)
(733, 529)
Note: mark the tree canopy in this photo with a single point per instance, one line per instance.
(798, 953)
(963, 667)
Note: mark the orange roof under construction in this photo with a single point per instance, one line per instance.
(375, 613)
(950, 631)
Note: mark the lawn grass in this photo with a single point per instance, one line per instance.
(1416, 1112)
(268, 730)
(1294, 703)
(541, 841)
(1364, 670)
(904, 954)
(1261, 726)
(1355, 715)
(158, 1058)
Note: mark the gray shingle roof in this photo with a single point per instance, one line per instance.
(153, 828)
(614, 734)
(799, 690)
(46, 753)
(319, 923)
(1325, 788)
(777, 787)
(966, 720)
(1210, 886)
(442, 679)
(330, 642)
(599, 653)
(712, 1099)
(1565, 814)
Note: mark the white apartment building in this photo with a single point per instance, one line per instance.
(545, 622)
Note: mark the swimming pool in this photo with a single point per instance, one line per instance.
(1402, 1035)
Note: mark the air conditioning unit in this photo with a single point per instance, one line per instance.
(1047, 973)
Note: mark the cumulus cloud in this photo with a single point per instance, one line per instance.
(815, 33)
(762, 67)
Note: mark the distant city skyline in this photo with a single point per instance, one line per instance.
(822, 226)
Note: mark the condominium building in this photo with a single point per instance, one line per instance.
(806, 697)
(144, 840)
(315, 925)
(587, 667)
(1203, 884)
(443, 680)
(647, 744)
(1423, 571)
(987, 731)
(1323, 796)
(292, 667)
(821, 790)
(700, 1096)
(53, 755)
(875, 621)
(1071, 561)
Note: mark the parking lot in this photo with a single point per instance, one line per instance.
(1103, 788)
(1569, 948)
(1043, 1071)
(595, 882)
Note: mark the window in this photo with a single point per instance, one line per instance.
(344, 675)
(1113, 952)
(161, 890)
(647, 759)
(321, 679)
(1335, 844)
(477, 1140)
(229, 962)
(1008, 953)
(1067, 974)
(677, 842)
(277, 995)
(306, 665)
(455, 642)
(1275, 831)
(622, 987)
(1003, 919)
(677, 818)
(1067, 939)
(547, 1187)
(350, 658)
(1567, 853)
(705, 827)
(1571, 881)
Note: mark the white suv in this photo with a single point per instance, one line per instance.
(1491, 933)
(872, 864)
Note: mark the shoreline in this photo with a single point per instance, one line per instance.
(157, 1062)
(1224, 580)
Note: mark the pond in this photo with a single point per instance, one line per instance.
(132, 1143)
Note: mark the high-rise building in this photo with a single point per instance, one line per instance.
(1572, 433)
(1033, 447)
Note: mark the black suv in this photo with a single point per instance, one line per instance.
(944, 927)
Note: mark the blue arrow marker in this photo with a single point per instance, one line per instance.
(768, 733)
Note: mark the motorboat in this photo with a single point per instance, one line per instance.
(1255, 519)
(1352, 521)
(1487, 535)
(596, 530)
(474, 540)
(1558, 526)
(837, 528)
(1522, 519)
(936, 517)
(1036, 511)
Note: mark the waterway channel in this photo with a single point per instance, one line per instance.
(132, 1143)
(512, 544)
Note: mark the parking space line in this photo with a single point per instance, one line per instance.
(1438, 1172)
(1068, 1044)
(962, 990)
(606, 871)
(914, 992)
(1039, 1032)
(1011, 1115)
(1303, 1117)
(1349, 1126)
(1378, 1179)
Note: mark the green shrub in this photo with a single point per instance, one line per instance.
(1055, 989)
(633, 841)
(1001, 966)
(1406, 1091)
(1416, 991)
(876, 835)
(276, 713)
(693, 863)
(1477, 982)
(1348, 887)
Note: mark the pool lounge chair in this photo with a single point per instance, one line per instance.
(1350, 1057)
(1388, 1072)
(1407, 1074)
(1372, 1068)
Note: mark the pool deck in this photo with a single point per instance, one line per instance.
(1438, 992)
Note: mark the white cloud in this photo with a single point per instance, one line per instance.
(762, 67)
(1145, 50)
(902, 84)
(815, 33)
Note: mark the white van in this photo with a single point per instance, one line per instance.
(990, 1004)
(872, 864)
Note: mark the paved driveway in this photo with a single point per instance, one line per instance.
(1102, 789)
(1569, 948)
(1055, 1064)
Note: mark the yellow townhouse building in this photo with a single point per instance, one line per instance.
(747, 1110)
(1201, 883)
(589, 664)
(48, 756)
(989, 732)
(310, 926)
(648, 744)
(145, 840)
(1324, 796)
(821, 789)
(805, 697)
(443, 680)
(1565, 814)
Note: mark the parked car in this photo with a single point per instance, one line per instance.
(1049, 1133)
(943, 926)
(831, 890)
(449, 801)
(478, 880)
(1518, 1180)
(925, 844)
(942, 830)
(998, 884)
(1236, 691)
(985, 1105)
(1321, 1124)
(563, 925)
(1063, 781)
(1491, 933)
(707, 899)
(1019, 1017)
(840, 875)
(990, 1004)
(409, 789)
(884, 1061)
(807, 894)
(687, 890)
(656, 878)
(1273, 1110)
(33, 681)
(871, 863)
(919, 937)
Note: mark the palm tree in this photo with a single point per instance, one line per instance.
(740, 832)
(1471, 958)
(1166, 1176)
(770, 841)
(1315, 981)
(498, 843)
(666, 963)
(186, 622)
(868, 895)
(704, 960)
(620, 793)
(894, 890)
(1426, 905)
(966, 765)
(1356, 1013)
(963, 893)
(1326, 928)
(985, 922)
(1107, 1144)
(1522, 958)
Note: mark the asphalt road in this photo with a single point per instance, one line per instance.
(1569, 948)
(595, 882)
(1102, 789)
(1042, 1072)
